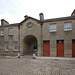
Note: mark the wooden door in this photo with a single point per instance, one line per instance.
(73, 48)
(60, 48)
(46, 48)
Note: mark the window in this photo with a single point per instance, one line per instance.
(6, 47)
(11, 31)
(2, 32)
(67, 26)
(29, 25)
(15, 46)
(60, 41)
(52, 27)
(73, 40)
(46, 41)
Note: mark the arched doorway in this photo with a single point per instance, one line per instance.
(30, 45)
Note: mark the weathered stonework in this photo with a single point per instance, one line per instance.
(34, 33)
(8, 38)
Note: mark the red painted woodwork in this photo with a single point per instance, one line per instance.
(73, 49)
(46, 48)
(60, 49)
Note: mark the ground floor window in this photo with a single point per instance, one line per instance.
(15, 46)
(6, 46)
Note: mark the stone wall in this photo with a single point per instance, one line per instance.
(8, 38)
(60, 34)
(35, 31)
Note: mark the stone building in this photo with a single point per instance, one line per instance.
(50, 37)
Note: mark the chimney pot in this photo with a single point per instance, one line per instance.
(26, 17)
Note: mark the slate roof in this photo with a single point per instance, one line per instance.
(46, 20)
(14, 24)
(59, 19)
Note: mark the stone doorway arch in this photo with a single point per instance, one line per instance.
(30, 45)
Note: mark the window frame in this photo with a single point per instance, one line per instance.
(6, 46)
(54, 29)
(46, 41)
(29, 25)
(15, 43)
(2, 33)
(66, 26)
(10, 31)
(60, 41)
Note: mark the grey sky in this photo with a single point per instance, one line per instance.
(14, 10)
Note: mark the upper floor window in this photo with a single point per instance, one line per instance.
(67, 26)
(6, 46)
(52, 27)
(2, 32)
(10, 31)
(15, 46)
(29, 25)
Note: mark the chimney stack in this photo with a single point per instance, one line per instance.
(4, 22)
(25, 16)
(73, 13)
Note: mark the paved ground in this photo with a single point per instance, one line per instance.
(28, 66)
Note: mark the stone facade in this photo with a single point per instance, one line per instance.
(35, 31)
(8, 38)
(60, 34)
(30, 34)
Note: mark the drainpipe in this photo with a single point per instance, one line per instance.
(41, 23)
(41, 39)
(19, 41)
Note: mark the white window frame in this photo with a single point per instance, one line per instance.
(10, 31)
(67, 26)
(53, 27)
(6, 46)
(2, 32)
(15, 45)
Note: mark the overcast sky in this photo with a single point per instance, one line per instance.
(14, 11)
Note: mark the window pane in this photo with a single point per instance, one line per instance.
(60, 41)
(73, 40)
(2, 32)
(52, 27)
(15, 46)
(29, 25)
(67, 26)
(10, 31)
(6, 46)
(46, 41)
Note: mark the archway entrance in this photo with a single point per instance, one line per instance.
(30, 45)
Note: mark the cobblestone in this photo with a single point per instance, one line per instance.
(28, 66)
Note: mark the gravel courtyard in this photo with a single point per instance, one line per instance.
(28, 66)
